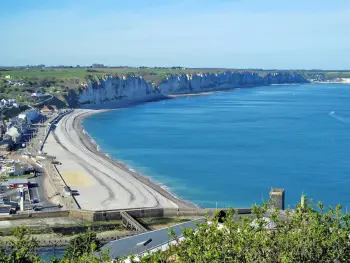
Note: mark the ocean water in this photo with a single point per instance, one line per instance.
(230, 148)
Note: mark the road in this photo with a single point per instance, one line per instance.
(155, 238)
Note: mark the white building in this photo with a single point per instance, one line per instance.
(15, 169)
(15, 134)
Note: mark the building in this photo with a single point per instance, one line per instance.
(18, 183)
(7, 103)
(5, 209)
(15, 134)
(14, 205)
(48, 109)
(36, 94)
(30, 114)
(4, 102)
(16, 169)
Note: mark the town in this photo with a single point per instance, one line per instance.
(21, 160)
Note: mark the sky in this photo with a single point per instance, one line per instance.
(268, 34)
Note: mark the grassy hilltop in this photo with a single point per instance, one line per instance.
(62, 82)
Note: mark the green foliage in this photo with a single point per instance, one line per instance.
(24, 249)
(301, 235)
(81, 244)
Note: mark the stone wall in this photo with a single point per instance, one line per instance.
(107, 215)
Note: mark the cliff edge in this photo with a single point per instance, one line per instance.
(115, 91)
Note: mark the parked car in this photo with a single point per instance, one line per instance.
(37, 208)
(35, 201)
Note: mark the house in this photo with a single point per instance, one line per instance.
(7, 76)
(22, 124)
(18, 183)
(4, 102)
(7, 103)
(15, 134)
(16, 169)
(30, 114)
(11, 101)
(37, 94)
(49, 109)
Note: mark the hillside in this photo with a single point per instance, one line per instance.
(62, 83)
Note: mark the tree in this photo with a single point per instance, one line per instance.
(300, 235)
(81, 244)
(22, 249)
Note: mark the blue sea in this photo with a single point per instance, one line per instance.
(230, 148)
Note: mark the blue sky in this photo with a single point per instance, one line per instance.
(217, 33)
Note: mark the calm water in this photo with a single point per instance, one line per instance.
(232, 147)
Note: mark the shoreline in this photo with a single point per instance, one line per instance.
(94, 148)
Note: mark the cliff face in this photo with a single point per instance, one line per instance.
(131, 89)
(136, 89)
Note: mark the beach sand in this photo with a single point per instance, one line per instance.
(102, 183)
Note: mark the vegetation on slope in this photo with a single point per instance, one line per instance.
(63, 83)
(301, 235)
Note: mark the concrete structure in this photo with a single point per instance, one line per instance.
(130, 223)
(21, 201)
(277, 198)
(67, 191)
(5, 209)
(303, 202)
(146, 241)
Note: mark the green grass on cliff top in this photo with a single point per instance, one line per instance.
(151, 74)
(154, 75)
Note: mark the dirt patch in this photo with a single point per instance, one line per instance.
(76, 179)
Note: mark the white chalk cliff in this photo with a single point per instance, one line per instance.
(111, 91)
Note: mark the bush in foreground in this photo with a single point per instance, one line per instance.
(301, 235)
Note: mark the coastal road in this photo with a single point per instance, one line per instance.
(100, 182)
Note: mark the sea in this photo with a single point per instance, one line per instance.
(228, 149)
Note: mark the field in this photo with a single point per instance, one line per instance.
(150, 74)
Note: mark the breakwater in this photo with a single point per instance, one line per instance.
(115, 91)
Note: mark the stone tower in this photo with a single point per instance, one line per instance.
(277, 198)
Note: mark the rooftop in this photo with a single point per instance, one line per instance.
(18, 181)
